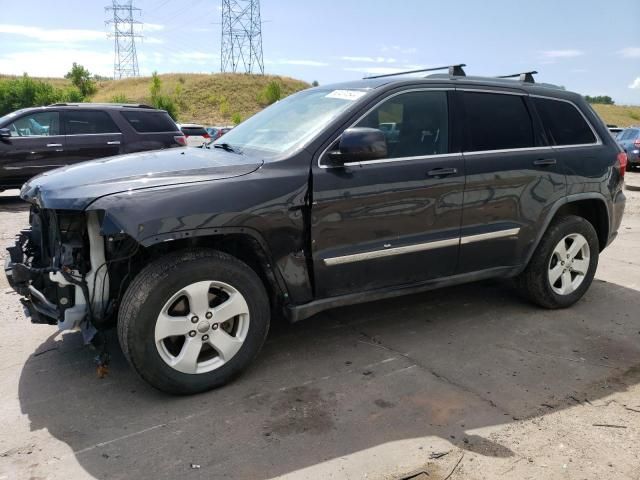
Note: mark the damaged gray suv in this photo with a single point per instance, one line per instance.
(333, 196)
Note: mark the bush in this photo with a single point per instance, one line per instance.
(236, 118)
(161, 101)
(120, 98)
(24, 92)
(272, 92)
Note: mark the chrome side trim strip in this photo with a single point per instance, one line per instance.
(388, 252)
(420, 247)
(512, 232)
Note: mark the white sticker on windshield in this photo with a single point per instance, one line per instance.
(346, 94)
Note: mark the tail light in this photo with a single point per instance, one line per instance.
(181, 140)
(637, 143)
(206, 135)
(622, 163)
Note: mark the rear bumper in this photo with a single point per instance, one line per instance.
(619, 202)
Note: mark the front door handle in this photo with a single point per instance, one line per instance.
(54, 145)
(115, 142)
(439, 172)
(544, 161)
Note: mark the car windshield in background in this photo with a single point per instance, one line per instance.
(292, 122)
(194, 131)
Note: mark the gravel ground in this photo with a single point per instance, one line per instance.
(468, 382)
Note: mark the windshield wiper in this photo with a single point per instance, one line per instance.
(226, 147)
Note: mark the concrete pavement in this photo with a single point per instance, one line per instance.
(498, 386)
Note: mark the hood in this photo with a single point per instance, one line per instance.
(76, 186)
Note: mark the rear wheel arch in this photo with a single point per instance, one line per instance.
(594, 211)
(591, 206)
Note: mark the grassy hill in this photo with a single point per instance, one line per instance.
(202, 98)
(621, 115)
(213, 99)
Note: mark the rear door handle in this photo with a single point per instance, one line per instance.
(53, 145)
(115, 142)
(438, 172)
(545, 161)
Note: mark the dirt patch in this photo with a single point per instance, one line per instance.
(302, 410)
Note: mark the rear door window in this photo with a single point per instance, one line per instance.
(88, 122)
(564, 124)
(496, 122)
(150, 122)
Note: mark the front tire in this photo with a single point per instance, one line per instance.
(564, 264)
(193, 320)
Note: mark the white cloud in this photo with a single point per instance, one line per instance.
(152, 27)
(630, 52)
(568, 53)
(304, 63)
(398, 49)
(52, 35)
(368, 59)
(635, 84)
(55, 62)
(152, 40)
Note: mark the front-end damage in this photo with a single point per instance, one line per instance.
(61, 266)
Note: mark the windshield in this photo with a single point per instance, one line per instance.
(292, 122)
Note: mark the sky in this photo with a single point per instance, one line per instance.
(588, 46)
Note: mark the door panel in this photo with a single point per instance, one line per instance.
(34, 147)
(91, 134)
(512, 180)
(393, 221)
(506, 196)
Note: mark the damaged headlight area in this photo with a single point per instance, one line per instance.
(68, 273)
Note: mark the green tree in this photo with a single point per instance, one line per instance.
(603, 99)
(81, 78)
(315, 83)
(161, 101)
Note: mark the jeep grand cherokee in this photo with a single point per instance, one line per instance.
(309, 205)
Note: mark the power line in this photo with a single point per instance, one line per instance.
(241, 48)
(125, 63)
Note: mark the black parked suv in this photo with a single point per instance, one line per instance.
(34, 140)
(309, 205)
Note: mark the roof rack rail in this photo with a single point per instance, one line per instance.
(526, 77)
(454, 71)
(89, 104)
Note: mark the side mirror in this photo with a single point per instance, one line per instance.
(5, 133)
(359, 144)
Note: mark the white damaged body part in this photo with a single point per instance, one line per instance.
(97, 283)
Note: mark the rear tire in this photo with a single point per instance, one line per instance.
(193, 320)
(563, 265)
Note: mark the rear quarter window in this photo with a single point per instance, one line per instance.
(150, 122)
(564, 124)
